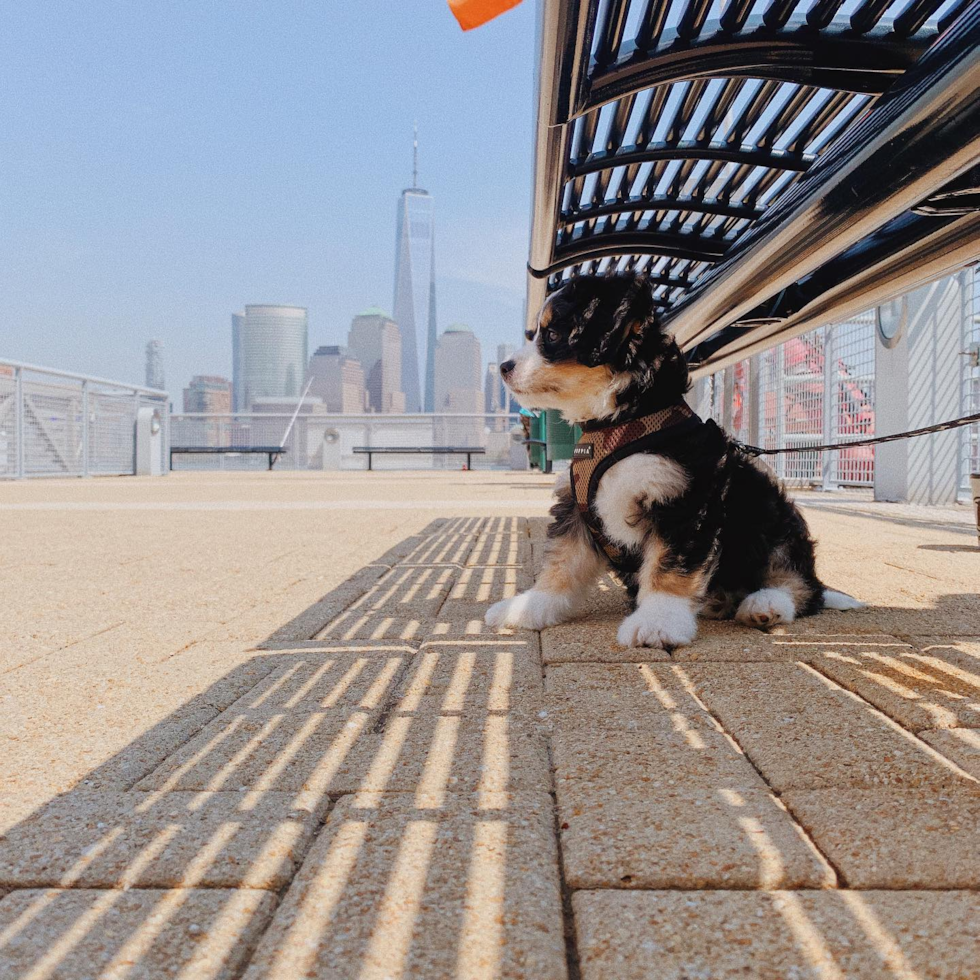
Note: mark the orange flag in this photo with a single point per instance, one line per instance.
(473, 13)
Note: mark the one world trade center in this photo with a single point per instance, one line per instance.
(415, 291)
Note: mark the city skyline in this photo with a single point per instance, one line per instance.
(128, 218)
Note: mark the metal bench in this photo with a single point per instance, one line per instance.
(468, 451)
(770, 171)
(273, 452)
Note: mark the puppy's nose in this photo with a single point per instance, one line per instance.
(506, 368)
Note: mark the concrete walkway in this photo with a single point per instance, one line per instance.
(253, 726)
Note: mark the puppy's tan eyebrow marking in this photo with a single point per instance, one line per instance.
(544, 318)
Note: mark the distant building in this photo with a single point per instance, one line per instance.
(269, 353)
(458, 372)
(338, 379)
(375, 342)
(501, 396)
(154, 365)
(415, 291)
(208, 393)
(492, 389)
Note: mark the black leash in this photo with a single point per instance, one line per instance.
(939, 427)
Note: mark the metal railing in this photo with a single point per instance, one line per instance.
(58, 423)
(326, 442)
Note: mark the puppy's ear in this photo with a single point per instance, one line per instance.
(634, 315)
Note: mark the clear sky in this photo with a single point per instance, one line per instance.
(162, 164)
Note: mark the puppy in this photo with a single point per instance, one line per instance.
(689, 522)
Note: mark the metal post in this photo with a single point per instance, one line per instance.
(828, 458)
(753, 402)
(780, 412)
(85, 449)
(136, 418)
(728, 398)
(19, 424)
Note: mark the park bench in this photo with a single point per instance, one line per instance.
(273, 452)
(467, 451)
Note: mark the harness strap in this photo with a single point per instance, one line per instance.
(602, 446)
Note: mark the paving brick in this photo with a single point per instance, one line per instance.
(409, 591)
(476, 589)
(440, 549)
(917, 690)
(500, 525)
(501, 549)
(641, 765)
(423, 893)
(893, 610)
(316, 616)
(895, 838)
(174, 840)
(137, 935)
(960, 745)
(684, 838)
(430, 753)
(961, 650)
(376, 627)
(329, 678)
(267, 751)
(721, 641)
(592, 639)
(621, 697)
(382, 627)
(802, 731)
(493, 674)
(733, 935)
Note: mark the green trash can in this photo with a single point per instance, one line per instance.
(551, 438)
(562, 436)
(536, 448)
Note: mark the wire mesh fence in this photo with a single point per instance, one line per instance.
(811, 390)
(970, 385)
(55, 423)
(327, 442)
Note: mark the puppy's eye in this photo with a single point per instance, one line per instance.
(551, 336)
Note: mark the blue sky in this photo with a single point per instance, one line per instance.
(165, 163)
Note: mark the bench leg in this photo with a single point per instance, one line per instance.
(370, 458)
(469, 461)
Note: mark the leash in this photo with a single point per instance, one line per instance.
(911, 434)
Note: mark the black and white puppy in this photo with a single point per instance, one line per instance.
(694, 526)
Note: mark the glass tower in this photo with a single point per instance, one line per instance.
(415, 293)
(269, 352)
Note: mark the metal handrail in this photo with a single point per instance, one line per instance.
(92, 379)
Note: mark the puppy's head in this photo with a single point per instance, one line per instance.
(598, 350)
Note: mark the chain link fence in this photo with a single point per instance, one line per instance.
(327, 442)
(55, 423)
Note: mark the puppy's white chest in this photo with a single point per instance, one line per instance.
(628, 487)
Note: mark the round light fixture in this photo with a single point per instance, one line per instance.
(891, 319)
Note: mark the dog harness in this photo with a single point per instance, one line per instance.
(604, 444)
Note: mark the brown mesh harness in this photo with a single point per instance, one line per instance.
(601, 446)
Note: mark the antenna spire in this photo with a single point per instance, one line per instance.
(415, 157)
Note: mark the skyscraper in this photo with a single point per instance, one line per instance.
(415, 290)
(338, 379)
(458, 371)
(208, 393)
(154, 365)
(269, 353)
(375, 341)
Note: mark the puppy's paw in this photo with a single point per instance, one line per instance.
(531, 610)
(767, 607)
(662, 621)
